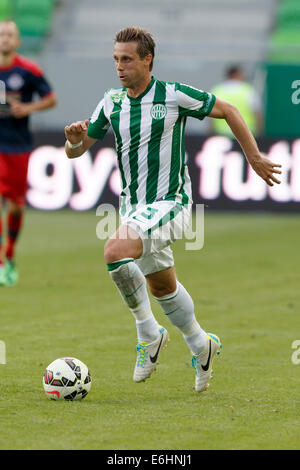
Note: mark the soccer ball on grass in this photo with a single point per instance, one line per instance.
(67, 378)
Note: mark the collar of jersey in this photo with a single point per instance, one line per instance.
(138, 98)
(11, 65)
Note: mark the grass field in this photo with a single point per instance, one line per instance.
(245, 285)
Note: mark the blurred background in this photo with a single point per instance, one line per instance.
(213, 45)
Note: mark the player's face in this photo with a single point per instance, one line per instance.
(9, 38)
(131, 69)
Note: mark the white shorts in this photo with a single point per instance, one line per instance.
(158, 225)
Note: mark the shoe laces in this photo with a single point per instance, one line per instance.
(141, 349)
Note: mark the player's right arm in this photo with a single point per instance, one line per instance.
(83, 134)
(76, 133)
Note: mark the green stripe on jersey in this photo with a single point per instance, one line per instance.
(135, 129)
(115, 122)
(98, 128)
(175, 161)
(153, 157)
(185, 198)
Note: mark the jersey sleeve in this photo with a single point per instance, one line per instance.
(98, 123)
(40, 83)
(193, 102)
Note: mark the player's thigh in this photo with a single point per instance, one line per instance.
(159, 224)
(125, 243)
(13, 179)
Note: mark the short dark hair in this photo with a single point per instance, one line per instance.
(233, 70)
(145, 41)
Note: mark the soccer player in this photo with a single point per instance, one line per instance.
(148, 119)
(19, 80)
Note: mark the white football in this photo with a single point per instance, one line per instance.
(67, 378)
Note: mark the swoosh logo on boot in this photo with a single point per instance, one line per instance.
(154, 358)
(205, 368)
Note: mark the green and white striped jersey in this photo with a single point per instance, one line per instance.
(149, 134)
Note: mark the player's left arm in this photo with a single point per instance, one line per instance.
(20, 110)
(39, 85)
(261, 165)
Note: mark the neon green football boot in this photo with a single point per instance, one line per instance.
(3, 280)
(11, 273)
(202, 363)
(147, 356)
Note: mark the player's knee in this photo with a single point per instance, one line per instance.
(160, 290)
(111, 251)
(114, 250)
(15, 209)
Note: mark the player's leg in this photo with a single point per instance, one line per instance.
(2, 271)
(1, 231)
(15, 215)
(14, 180)
(178, 306)
(2, 191)
(120, 252)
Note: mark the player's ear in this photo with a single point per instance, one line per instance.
(148, 59)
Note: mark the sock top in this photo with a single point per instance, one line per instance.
(116, 264)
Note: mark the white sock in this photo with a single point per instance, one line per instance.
(179, 308)
(131, 284)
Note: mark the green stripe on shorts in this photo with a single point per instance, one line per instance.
(166, 218)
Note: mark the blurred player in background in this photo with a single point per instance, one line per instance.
(237, 91)
(21, 78)
(148, 118)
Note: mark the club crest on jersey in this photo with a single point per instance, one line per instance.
(15, 81)
(158, 111)
(117, 97)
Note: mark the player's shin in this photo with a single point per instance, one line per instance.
(14, 225)
(131, 284)
(179, 308)
(1, 241)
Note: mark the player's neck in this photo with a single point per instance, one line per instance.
(6, 59)
(139, 88)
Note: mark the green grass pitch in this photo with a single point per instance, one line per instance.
(245, 285)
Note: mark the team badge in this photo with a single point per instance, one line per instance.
(158, 111)
(117, 97)
(15, 82)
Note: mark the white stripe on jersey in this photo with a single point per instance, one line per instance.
(97, 111)
(124, 130)
(145, 135)
(186, 101)
(166, 143)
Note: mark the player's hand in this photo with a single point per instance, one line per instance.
(20, 110)
(76, 131)
(266, 169)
